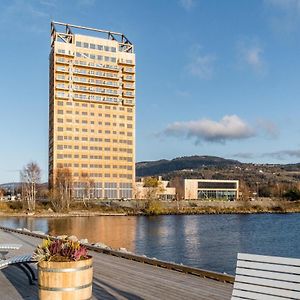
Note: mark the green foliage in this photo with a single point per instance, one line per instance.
(151, 182)
(60, 250)
(292, 194)
(153, 207)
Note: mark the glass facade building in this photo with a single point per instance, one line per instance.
(204, 189)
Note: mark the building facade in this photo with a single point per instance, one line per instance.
(92, 110)
(163, 191)
(203, 189)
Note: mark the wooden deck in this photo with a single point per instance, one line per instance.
(116, 278)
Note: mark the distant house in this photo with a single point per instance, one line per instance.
(161, 190)
(203, 189)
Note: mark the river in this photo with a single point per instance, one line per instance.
(205, 241)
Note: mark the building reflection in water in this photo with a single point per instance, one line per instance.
(116, 231)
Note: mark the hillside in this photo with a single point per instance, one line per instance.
(159, 167)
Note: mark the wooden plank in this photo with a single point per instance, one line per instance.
(124, 265)
(268, 267)
(119, 278)
(269, 259)
(267, 274)
(268, 282)
(256, 296)
(272, 291)
(151, 283)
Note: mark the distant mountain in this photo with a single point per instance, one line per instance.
(10, 185)
(159, 167)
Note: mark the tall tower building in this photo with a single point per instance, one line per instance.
(92, 110)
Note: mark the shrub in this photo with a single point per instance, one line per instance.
(153, 207)
(292, 195)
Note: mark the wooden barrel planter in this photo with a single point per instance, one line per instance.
(65, 280)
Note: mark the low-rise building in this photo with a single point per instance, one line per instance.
(203, 189)
(160, 190)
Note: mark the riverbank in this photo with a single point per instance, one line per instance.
(154, 207)
(59, 215)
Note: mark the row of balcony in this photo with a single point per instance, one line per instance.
(95, 74)
(122, 61)
(97, 90)
(116, 100)
(61, 60)
(117, 85)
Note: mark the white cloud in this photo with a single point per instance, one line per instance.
(244, 155)
(250, 54)
(24, 16)
(86, 2)
(269, 128)
(283, 15)
(284, 4)
(283, 154)
(201, 65)
(187, 4)
(228, 128)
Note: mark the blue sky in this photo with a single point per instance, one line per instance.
(213, 77)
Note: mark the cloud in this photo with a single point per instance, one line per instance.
(284, 15)
(228, 128)
(244, 155)
(85, 2)
(201, 65)
(283, 154)
(287, 5)
(24, 15)
(250, 54)
(187, 4)
(182, 93)
(269, 128)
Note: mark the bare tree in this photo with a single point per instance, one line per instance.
(30, 177)
(61, 193)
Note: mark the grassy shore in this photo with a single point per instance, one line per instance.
(223, 207)
(154, 207)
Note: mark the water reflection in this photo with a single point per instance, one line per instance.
(113, 231)
(206, 241)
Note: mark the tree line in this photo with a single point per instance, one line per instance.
(59, 193)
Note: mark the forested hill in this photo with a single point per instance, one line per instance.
(152, 168)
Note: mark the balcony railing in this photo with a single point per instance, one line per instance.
(128, 70)
(96, 66)
(61, 95)
(126, 62)
(96, 74)
(128, 78)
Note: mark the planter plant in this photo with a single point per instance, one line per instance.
(64, 270)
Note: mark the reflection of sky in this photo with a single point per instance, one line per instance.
(206, 241)
(40, 224)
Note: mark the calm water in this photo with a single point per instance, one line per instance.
(205, 241)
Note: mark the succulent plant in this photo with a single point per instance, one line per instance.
(60, 250)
